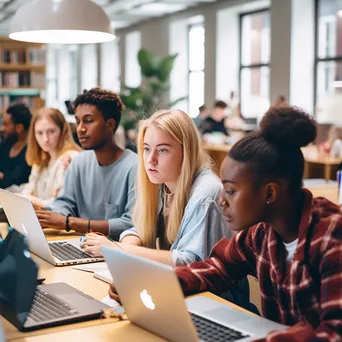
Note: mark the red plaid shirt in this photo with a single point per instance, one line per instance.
(307, 295)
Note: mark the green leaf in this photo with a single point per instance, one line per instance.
(149, 63)
(166, 66)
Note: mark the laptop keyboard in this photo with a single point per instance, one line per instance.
(65, 251)
(47, 307)
(210, 331)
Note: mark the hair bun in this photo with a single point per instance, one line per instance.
(288, 126)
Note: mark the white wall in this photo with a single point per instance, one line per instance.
(179, 74)
(89, 66)
(302, 54)
(110, 66)
(132, 68)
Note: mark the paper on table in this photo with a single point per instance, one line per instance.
(110, 302)
(104, 275)
(94, 267)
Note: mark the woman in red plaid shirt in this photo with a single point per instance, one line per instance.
(291, 242)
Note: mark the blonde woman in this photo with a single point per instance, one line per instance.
(176, 217)
(50, 151)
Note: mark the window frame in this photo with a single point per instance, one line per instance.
(249, 66)
(317, 58)
(190, 27)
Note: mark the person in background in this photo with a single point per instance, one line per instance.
(281, 101)
(203, 114)
(99, 188)
(50, 151)
(216, 121)
(15, 125)
(291, 241)
(333, 145)
(234, 120)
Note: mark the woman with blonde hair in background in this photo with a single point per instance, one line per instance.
(49, 152)
(176, 217)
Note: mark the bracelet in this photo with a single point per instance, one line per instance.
(67, 228)
(89, 226)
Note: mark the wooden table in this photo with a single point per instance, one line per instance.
(217, 154)
(329, 192)
(314, 159)
(89, 331)
(316, 165)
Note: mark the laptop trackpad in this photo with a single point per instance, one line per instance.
(226, 315)
(75, 299)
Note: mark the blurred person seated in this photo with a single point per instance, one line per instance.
(328, 109)
(15, 125)
(215, 123)
(200, 118)
(281, 101)
(50, 151)
(333, 145)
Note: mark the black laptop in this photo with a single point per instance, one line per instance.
(30, 307)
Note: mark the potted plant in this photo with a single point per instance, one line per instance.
(141, 102)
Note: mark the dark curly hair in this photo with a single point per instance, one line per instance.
(220, 104)
(274, 150)
(108, 103)
(20, 114)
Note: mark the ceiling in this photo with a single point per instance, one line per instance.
(122, 13)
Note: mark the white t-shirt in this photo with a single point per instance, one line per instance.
(290, 249)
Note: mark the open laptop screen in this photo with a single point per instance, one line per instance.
(16, 269)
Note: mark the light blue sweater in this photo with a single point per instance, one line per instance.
(202, 224)
(99, 192)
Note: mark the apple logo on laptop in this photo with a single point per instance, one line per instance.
(147, 300)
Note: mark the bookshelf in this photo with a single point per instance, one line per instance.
(22, 74)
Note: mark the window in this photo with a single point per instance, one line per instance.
(89, 66)
(51, 77)
(73, 56)
(196, 68)
(254, 63)
(110, 65)
(328, 85)
(132, 67)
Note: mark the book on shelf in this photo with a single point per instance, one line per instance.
(32, 79)
(30, 56)
(33, 102)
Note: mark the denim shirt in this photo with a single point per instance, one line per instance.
(202, 224)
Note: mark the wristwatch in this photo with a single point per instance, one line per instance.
(67, 228)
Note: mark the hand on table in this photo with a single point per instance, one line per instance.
(92, 243)
(113, 294)
(36, 202)
(49, 219)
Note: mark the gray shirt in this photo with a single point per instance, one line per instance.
(99, 192)
(202, 224)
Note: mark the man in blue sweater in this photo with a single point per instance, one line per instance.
(99, 190)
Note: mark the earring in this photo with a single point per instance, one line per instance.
(268, 202)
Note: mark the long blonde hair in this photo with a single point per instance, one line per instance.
(181, 128)
(35, 154)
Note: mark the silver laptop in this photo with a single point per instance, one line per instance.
(2, 334)
(28, 306)
(153, 299)
(22, 217)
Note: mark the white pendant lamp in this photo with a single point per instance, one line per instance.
(61, 22)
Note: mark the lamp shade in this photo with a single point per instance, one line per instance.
(61, 22)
